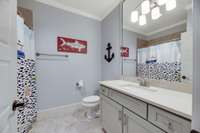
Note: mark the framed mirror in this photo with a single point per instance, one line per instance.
(157, 40)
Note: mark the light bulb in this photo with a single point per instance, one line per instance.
(170, 5)
(142, 20)
(145, 7)
(134, 16)
(161, 2)
(155, 13)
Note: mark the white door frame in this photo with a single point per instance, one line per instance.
(8, 65)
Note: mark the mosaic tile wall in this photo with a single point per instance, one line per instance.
(160, 71)
(27, 93)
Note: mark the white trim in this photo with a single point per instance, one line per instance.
(156, 31)
(58, 111)
(79, 12)
(133, 30)
(67, 8)
(58, 108)
(167, 28)
(114, 5)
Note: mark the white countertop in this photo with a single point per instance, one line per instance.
(179, 103)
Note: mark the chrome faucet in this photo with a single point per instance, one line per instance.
(144, 82)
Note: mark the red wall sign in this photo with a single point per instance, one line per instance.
(71, 45)
(124, 51)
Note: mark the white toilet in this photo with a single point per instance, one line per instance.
(92, 105)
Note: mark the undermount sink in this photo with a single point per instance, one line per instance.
(138, 87)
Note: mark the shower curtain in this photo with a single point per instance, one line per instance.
(161, 62)
(26, 77)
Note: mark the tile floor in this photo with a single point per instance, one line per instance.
(69, 123)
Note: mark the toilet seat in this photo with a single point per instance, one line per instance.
(91, 101)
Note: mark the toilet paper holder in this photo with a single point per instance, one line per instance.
(80, 84)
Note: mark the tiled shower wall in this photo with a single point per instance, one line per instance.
(27, 93)
(160, 71)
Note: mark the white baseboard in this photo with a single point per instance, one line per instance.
(57, 111)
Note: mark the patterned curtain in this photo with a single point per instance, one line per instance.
(26, 77)
(161, 62)
(27, 93)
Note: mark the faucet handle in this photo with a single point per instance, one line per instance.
(146, 82)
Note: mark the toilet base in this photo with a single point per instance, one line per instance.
(91, 103)
(92, 113)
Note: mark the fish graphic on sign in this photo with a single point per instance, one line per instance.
(124, 51)
(71, 45)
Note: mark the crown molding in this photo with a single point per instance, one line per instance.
(156, 31)
(56, 4)
(114, 5)
(69, 9)
(129, 28)
(167, 28)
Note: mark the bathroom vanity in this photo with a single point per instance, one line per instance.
(127, 107)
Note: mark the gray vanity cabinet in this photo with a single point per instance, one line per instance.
(135, 124)
(111, 115)
(168, 121)
(123, 114)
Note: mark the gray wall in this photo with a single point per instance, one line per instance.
(189, 20)
(112, 32)
(196, 71)
(56, 78)
(130, 41)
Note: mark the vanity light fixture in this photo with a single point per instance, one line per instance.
(145, 7)
(155, 13)
(152, 6)
(170, 5)
(134, 16)
(142, 20)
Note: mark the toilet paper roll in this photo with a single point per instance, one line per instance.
(80, 84)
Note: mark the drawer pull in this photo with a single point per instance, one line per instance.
(125, 122)
(120, 115)
(170, 126)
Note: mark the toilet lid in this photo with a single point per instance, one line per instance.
(91, 99)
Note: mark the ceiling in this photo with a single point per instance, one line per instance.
(96, 9)
(99, 9)
(168, 20)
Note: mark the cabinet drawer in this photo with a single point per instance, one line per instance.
(168, 122)
(135, 124)
(132, 104)
(104, 91)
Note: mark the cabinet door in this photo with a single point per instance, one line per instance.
(134, 124)
(187, 55)
(111, 115)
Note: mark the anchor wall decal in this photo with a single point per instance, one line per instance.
(110, 56)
